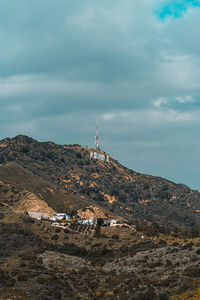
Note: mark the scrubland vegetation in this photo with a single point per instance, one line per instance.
(154, 255)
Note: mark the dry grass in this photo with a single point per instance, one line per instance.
(194, 295)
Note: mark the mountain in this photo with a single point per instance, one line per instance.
(154, 256)
(127, 193)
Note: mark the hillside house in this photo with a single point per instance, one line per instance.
(110, 222)
(59, 217)
(113, 222)
(88, 222)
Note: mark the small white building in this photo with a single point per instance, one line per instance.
(106, 222)
(111, 222)
(38, 215)
(60, 216)
(97, 155)
(88, 222)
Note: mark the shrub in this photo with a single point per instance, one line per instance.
(41, 280)
(55, 237)
(115, 237)
(25, 149)
(22, 277)
(198, 251)
(192, 272)
(103, 236)
(78, 155)
(168, 263)
(163, 243)
(100, 221)
(163, 296)
(147, 295)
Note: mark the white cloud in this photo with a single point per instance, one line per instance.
(160, 102)
(153, 116)
(185, 99)
(108, 116)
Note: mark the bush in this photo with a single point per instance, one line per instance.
(163, 296)
(103, 236)
(198, 251)
(25, 149)
(22, 277)
(78, 155)
(115, 237)
(55, 237)
(147, 295)
(163, 243)
(168, 263)
(41, 280)
(192, 272)
(100, 221)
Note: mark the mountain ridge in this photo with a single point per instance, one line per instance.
(127, 193)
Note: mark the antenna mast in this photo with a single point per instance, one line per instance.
(97, 136)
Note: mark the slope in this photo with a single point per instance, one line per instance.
(22, 191)
(125, 192)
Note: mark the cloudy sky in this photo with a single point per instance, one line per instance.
(133, 64)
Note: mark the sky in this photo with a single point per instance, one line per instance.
(133, 65)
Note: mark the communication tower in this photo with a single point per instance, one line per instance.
(94, 154)
(97, 136)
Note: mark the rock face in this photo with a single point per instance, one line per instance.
(31, 203)
(24, 192)
(62, 262)
(93, 212)
(125, 192)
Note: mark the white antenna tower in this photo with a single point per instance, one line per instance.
(97, 136)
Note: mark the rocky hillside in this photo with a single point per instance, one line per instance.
(23, 192)
(42, 262)
(75, 261)
(109, 184)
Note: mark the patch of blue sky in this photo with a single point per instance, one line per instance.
(176, 9)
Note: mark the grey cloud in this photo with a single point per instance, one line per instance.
(65, 63)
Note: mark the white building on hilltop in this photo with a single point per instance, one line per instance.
(97, 155)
